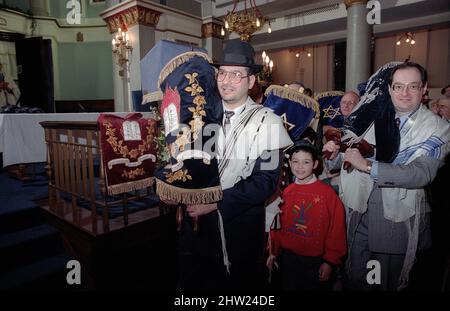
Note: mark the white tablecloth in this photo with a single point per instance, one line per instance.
(22, 138)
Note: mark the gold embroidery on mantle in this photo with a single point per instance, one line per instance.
(199, 101)
(178, 175)
(119, 148)
(195, 124)
(133, 173)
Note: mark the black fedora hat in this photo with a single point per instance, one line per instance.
(239, 53)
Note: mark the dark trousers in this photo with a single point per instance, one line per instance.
(358, 257)
(201, 267)
(301, 272)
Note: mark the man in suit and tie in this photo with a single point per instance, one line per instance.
(231, 236)
(389, 214)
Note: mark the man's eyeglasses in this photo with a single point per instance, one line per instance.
(233, 76)
(412, 87)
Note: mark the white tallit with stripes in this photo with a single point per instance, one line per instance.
(423, 133)
(257, 129)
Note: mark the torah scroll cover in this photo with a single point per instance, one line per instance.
(129, 151)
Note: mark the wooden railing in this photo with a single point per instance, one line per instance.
(73, 153)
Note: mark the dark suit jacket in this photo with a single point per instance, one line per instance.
(243, 213)
(384, 235)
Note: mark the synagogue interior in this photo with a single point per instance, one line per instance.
(71, 70)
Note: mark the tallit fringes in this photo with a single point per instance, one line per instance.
(328, 93)
(287, 93)
(226, 260)
(177, 61)
(188, 196)
(130, 186)
(152, 97)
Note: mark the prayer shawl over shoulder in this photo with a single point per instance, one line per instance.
(257, 130)
(423, 134)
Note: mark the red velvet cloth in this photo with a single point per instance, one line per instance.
(128, 150)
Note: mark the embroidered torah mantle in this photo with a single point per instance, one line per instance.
(191, 111)
(128, 150)
(297, 110)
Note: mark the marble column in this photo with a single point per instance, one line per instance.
(212, 39)
(39, 7)
(139, 22)
(211, 31)
(358, 44)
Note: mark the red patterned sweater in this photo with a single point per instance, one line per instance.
(312, 223)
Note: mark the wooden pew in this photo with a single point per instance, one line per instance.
(79, 206)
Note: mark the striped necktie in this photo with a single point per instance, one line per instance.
(227, 123)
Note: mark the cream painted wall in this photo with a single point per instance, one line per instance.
(432, 50)
(315, 72)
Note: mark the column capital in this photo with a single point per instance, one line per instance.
(211, 29)
(132, 16)
(349, 3)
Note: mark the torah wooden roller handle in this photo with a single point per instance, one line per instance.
(327, 155)
(195, 221)
(179, 216)
(334, 135)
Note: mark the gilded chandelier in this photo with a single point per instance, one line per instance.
(245, 22)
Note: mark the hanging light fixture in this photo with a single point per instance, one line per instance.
(267, 63)
(298, 52)
(245, 22)
(409, 38)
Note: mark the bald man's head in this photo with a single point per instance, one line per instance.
(348, 102)
(444, 108)
(298, 86)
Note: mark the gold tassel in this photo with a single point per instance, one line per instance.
(152, 97)
(287, 93)
(188, 196)
(178, 61)
(329, 93)
(130, 186)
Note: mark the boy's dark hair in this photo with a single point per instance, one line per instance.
(405, 65)
(305, 146)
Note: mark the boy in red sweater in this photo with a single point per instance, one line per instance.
(312, 238)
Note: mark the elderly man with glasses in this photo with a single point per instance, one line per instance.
(389, 215)
(231, 237)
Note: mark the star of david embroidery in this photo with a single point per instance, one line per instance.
(331, 112)
(287, 125)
